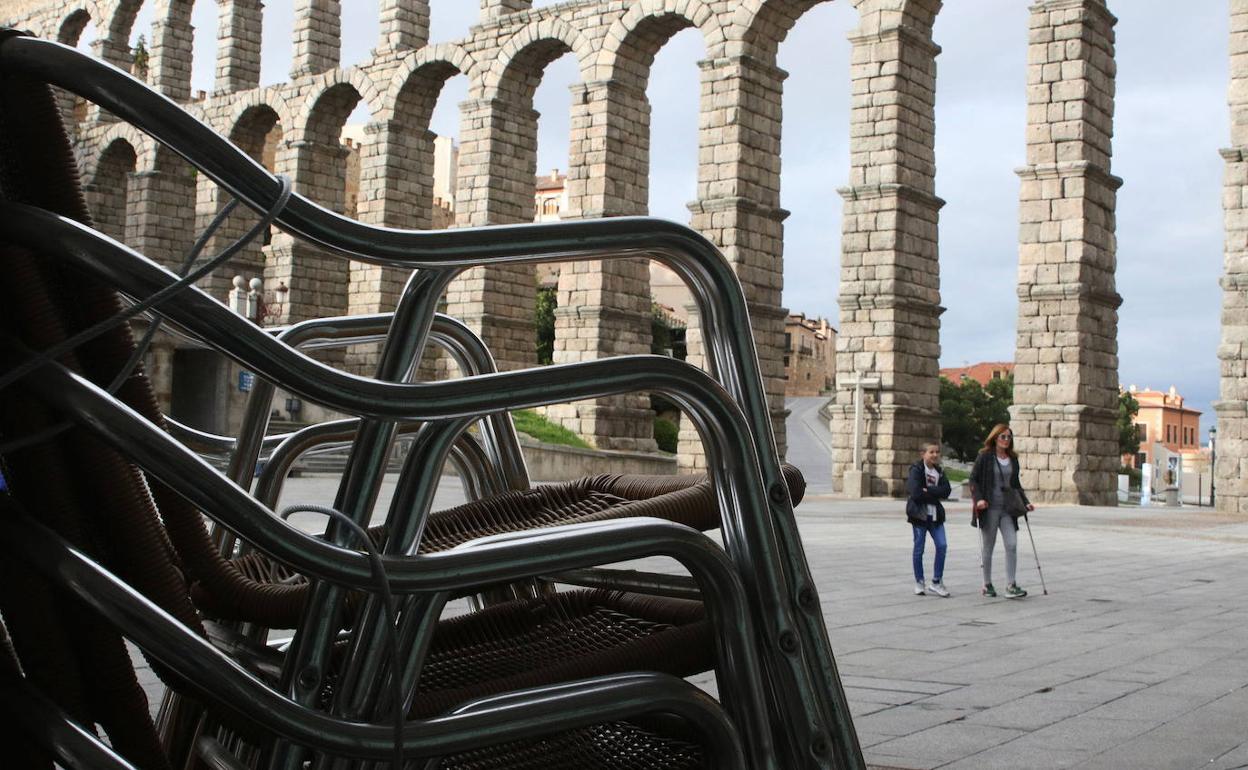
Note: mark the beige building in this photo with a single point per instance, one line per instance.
(809, 356)
(983, 372)
(1163, 420)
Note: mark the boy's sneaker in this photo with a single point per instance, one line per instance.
(988, 591)
(918, 588)
(938, 589)
(1012, 591)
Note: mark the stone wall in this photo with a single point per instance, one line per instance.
(1231, 471)
(1066, 365)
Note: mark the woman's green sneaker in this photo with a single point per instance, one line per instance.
(1012, 591)
(988, 591)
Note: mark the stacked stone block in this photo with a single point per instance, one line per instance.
(890, 276)
(1066, 365)
(169, 54)
(738, 209)
(1231, 471)
(497, 155)
(604, 307)
(239, 26)
(318, 37)
(404, 26)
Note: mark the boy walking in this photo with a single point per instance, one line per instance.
(926, 486)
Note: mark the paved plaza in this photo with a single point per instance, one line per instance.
(1136, 658)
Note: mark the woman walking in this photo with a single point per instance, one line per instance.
(999, 500)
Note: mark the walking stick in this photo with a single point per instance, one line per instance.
(1031, 537)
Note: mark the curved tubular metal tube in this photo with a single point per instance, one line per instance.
(543, 551)
(471, 461)
(730, 447)
(502, 447)
(493, 701)
(730, 349)
(214, 443)
(405, 523)
(50, 727)
(230, 688)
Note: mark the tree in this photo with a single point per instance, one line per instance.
(957, 419)
(1128, 433)
(544, 320)
(968, 411)
(140, 58)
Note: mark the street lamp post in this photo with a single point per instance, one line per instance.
(1213, 465)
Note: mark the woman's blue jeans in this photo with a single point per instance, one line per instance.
(942, 545)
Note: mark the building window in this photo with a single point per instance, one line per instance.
(788, 344)
(996, 374)
(1143, 431)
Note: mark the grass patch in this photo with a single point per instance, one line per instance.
(956, 476)
(533, 424)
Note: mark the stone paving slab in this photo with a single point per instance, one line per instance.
(1135, 659)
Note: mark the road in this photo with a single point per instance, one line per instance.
(810, 443)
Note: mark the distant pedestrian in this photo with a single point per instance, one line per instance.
(926, 486)
(999, 500)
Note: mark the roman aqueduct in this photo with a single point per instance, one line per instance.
(1066, 379)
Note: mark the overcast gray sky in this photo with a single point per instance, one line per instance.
(1171, 120)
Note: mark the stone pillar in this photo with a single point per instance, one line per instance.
(396, 174)
(404, 26)
(604, 307)
(318, 37)
(890, 273)
(116, 53)
(1066, 361)
(738, 209)
(1231, 473)
(497, 159)
(239, 24)
(158, 364)
(170, 54)
(492, 9)
(317, 282)
(161, 211)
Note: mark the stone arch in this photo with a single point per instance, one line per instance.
(267, 99)
(517, 69)
(330, 94)
(73, 23)
(142, 146)
(636, 37)
(763, 24)
(414, 88)
(250, 126)
(117, 24)
(109, 183)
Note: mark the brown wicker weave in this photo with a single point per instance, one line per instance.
(151, 538)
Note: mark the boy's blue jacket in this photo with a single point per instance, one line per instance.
(918, 500)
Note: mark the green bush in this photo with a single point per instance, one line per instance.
(957, 476)
(537, 426)
(665, 433)
(1134, 475)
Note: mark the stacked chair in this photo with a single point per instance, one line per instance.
(281, 649)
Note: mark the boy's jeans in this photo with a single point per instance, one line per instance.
(942, 545)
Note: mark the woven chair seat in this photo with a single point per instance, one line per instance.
(687, 500)
(613, 746)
